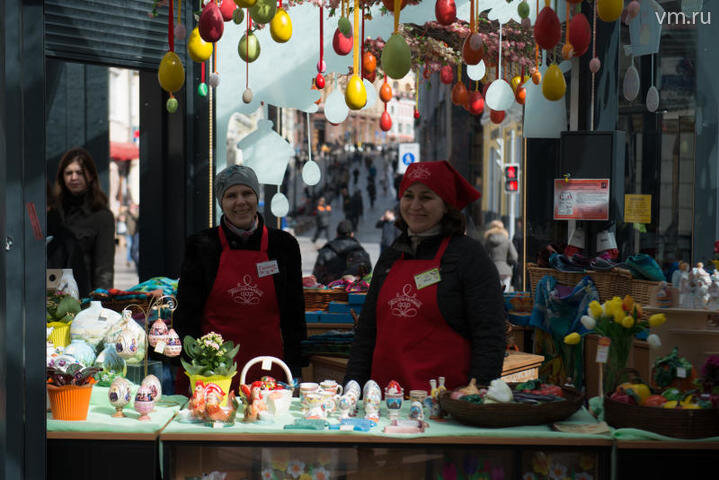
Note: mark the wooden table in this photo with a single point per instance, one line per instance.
(518, 367)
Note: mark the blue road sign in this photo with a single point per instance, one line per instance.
(408, 158)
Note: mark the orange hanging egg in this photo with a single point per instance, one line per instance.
(521, 95)
(547, 30)
(385, 92)
(460, 95)
(567, 51)
(536, 77)
(369, 62)
(472, 49)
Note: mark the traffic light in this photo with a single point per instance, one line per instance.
(511, 178)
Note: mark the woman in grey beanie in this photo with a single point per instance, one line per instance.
(243, 280)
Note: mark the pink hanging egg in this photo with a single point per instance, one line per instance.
(211, 25)
(321, 66)
(595, 65)
(341, 44)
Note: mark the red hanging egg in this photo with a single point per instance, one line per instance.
(446, 75)
(371, 76)
(476, 103)
(369, 62)
(547, 30)
(389, 4)
(416, 114)
(426, 73)
(211, 24)
(445, 11)
(470, 54)
(320, 81)
(521, 95)
(496, 116)
(385, 92)
(580, 34)
(341, 44)
(460, 95)
(536, 76)
(385, 121)
(227, 9)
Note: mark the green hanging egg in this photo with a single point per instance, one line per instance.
(172, 105)
(263, 11)
(249, 47)
(202, 89)
(523, 10)
(345, 26)
(396, 57)
(238, 16)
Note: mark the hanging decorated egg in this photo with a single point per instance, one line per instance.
(172, 105)
(211, 24)
(609, 10)
(174, 345)
(553, 85)
(199, 50)
(499, 95)
(445, 11)
(311, 173)
(521, 95)
(536, 76)
(342, 44)
(247, 95)
(355, 94)
(426, 73)
(336, 109)
(214, 80)
(263, 11)
(238, 16)
(320, 81)
(652, 99)
(496, 117)
(245, 3)
(567, 51)
(396, 58)
(385, 122)
(523, 10)
(476, 72)
(446, 74)
(345, 26)
(517, 81)
(321, 66)
(171, 74)
(385, 92)
(472, 49)
(249, 47)
(416, 114)
(595, 65)
(631, 83)
(460, 95)
(371, 92)
(281, 26)
(158, 332)
(202, 89)
(227, 9)
(369, 62)
(389, 4)
(279, 205)
(476, 103)
(580, 35)
(547, 30)
(180, 32)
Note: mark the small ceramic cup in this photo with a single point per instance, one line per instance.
(307, 387)
(330, 401)
(417, 395)
(331, 386)
(313, 406)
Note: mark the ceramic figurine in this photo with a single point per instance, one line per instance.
(663, 296)
(677, 275)
(345, 406)
(315, 406)
(329, 401)
(435, 411)
(256, 408)
(416, 412)
(197, 402)
(372, 401)
(158, 332)
(130, 341)
(354, 391)
(174, 345)
(119, 395)
(215, 412)
(713, 292)
(685, 299)
(153, 383)
(370, 385)
(144, 402)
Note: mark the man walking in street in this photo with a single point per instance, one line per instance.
(322, 219)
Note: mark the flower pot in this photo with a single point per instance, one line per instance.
(60, 336)
(69, 402)
(221, 381)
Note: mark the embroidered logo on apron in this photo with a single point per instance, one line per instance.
(405, 304)
(246, 293)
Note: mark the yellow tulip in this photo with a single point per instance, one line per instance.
(628, 303)
(595, 309)
(572, 338)
(618, 316)
(628, 322)
(657, 319)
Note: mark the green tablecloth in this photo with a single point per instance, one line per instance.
(450, 427)
(99, 417)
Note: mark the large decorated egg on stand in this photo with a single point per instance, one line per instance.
(119, 395)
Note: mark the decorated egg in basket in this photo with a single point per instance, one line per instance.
(158, 332)
(119, 394)
(152, 383)
(173, 347)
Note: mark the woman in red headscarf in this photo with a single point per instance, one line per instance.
(434, 307)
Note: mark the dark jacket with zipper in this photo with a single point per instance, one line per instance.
(199, 269)
(468, 297)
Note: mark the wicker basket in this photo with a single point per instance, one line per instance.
(671, 422)
(641, 291)
(119, 304)
(499, 415)
(609, 284)
(320, 298)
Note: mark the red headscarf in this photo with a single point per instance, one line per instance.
(442, 179)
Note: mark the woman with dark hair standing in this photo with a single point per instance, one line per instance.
(82, 208)
(434, 307)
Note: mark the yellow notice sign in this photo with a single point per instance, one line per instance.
(637, 208)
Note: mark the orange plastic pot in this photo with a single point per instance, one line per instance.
(69, 402)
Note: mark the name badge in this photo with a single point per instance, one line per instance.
(265, 269)
(425, 279)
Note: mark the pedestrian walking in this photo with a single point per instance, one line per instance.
(356, 209)
(322, 219)
(389, 230)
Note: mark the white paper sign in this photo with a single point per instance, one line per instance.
(408, 154)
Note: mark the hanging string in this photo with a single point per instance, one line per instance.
(356, 46)
(362, 46)
(536, 45)
(594, 55)
(309, 139)
(322, 29)
(179, 12)
(202, 75)
(566, 36)
(476, 85)
(459, 71)
(247, 46)
(472, 22)
(499, 60)
(171, 28)
(210, 159)
(397, 6)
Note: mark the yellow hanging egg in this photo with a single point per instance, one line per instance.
(517, 81)
(609, 10)
(356, 94)
(281, 26)
(245, 3)
(199, 50)
(553, 84)
(171, 74)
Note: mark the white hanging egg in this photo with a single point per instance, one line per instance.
(311, 173)
(476, 72)
(247, 95)
(214, 80)
(652, 99)
(180, 31)
(631, 83)
(279, 206)
(371, 94)
(499, 95)
(336, 109)
(174, 345)
(152, 383)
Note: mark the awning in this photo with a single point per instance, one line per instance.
(124, 151)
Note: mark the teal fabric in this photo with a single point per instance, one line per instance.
(99, 417)
(449, 427)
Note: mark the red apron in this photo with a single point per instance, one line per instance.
(242, 307)
(414, 342)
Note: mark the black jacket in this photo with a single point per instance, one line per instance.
(339, 257)
(468, 296)
(199, 269)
